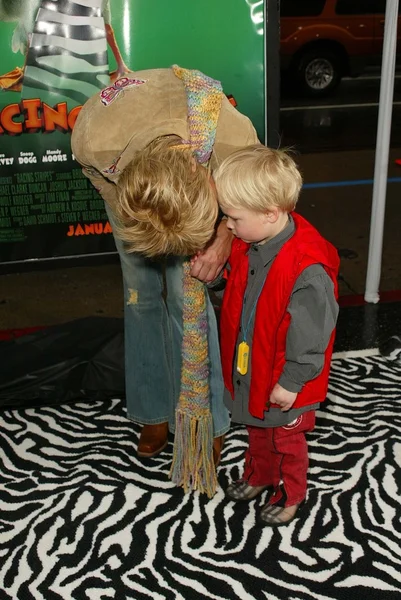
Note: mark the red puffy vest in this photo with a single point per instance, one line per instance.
(306, 247)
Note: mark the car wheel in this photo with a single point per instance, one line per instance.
(318, 73)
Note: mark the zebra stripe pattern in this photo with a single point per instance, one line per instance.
(83, 517)
(72, 35)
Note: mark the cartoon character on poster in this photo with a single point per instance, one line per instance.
(43, 32)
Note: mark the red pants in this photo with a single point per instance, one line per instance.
(279, 455)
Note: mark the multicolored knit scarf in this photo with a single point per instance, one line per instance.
(193, 466)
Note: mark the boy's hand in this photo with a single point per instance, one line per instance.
(283, 398)
(208, 263)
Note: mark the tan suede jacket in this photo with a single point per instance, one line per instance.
(119, 121)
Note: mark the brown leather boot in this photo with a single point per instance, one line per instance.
(153, 440)
(218, 444)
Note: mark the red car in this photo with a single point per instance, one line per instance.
(325, 40)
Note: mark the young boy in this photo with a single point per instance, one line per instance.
(278, 318)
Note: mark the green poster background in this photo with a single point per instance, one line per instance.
(47, 208)
(218, 37)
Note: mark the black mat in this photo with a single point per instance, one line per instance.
(84, 359)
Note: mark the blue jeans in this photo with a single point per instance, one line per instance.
(153, 299)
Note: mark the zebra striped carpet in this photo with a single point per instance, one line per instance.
(83, 518)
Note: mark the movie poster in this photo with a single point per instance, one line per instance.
(54, 54)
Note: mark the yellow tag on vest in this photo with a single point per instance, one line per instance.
(243, 356)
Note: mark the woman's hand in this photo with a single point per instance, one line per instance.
(208, 263)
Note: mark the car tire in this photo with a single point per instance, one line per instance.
(318, 72)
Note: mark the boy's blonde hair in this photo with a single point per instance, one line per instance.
(258, 178)
(166, 202)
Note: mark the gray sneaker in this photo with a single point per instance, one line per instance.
(242, 491)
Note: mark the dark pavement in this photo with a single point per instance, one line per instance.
(345, 120)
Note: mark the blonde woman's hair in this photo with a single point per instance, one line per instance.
(258, 178)
(166, 202)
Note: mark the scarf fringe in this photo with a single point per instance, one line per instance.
(193, 466)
